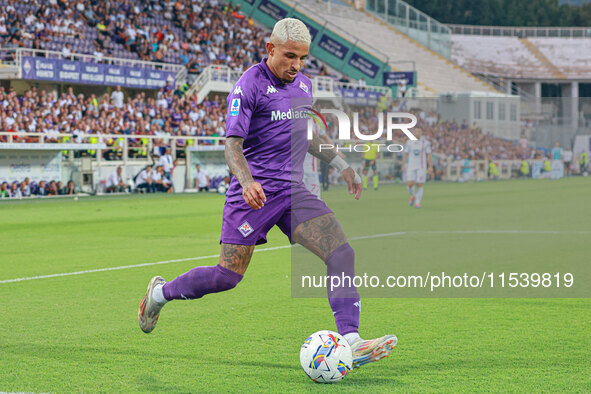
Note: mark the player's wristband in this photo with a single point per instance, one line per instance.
(340, 164)
(357, 179)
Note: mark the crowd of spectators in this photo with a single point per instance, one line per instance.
(461, 140)
(448, 138)
(171, 114)
(87, 118)
(27, 188)
(195, 33)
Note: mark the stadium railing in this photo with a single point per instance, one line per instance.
(378, 53)
(106, 152)
(218, 78)
(221, 78)
(478, 169)
(414, 23)
(126, 152)
(328, 85)
(521, 32)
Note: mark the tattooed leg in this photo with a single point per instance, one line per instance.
(200, 281)
(324, 237)
(236, 257)
(320, 235)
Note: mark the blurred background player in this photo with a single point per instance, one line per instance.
(417, 159)
(311, 175)
(524, 169)
(312, 165)
(568, 161)
(370, 158)
(493, 170)
(583, 163)
(557, 164)
(467, 170)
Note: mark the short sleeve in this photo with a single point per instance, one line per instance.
(428, 147)
(241, 105)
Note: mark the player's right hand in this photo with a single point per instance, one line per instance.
(254, 195)
(403, 168)
(353, 182)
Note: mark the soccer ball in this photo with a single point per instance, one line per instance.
(326, 357)
(222, 190)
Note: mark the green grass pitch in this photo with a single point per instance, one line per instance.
(80, 333)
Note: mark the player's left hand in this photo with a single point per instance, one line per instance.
(431, 172)
(353, 182)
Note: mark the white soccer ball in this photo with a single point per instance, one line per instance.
(222, 189)
(326, 357)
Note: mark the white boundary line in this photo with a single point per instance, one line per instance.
(122, 267)
(215, 256)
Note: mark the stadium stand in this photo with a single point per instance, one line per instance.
(193, 33)
(84, 117)
(212, 35)
(506, 56)
(436, 74)
(170, 115)
(571, 55)
(533, 57)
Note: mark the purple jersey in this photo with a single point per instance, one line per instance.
(263, 111)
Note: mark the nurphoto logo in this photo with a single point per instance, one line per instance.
(392, 120)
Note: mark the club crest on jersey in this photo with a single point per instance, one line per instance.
(235, 107)
(271, 89)
(238, 90)
(303, 86)
(245, 229)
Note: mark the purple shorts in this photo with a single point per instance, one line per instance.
(288, 208)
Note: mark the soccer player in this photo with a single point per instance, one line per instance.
(557, 164)
(311, 178)
(568, 159)
(417, 159)
(583, 163)
(370, 158)
(267, 190)
(311, 165)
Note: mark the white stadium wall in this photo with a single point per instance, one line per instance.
(497, 114)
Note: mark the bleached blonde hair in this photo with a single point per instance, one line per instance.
(290, 29)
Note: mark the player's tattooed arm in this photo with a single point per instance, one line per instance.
(322, 150)
(236, 160)
(252, 191)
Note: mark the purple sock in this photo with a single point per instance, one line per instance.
(201, 281)
(343, 298)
